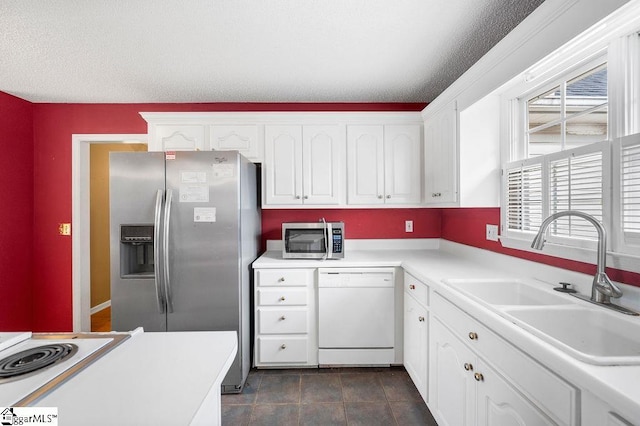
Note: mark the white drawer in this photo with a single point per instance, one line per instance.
(416, 288)
(546, 390)
(282, 321)
(284, 277)
(281, 296)
(282, 349)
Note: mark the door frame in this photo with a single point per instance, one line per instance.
(80, 218)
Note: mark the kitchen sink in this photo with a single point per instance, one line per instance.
(592, 335)
(508, 292)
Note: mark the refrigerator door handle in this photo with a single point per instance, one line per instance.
(165, 250)
(157, 249)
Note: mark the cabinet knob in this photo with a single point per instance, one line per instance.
(380, 196)
(468, 367)
(473, 335)
(388, 196)
(478, 376)
(281, 279)
(282, 299)
(412, 286)
(436, 194)
(282, 318)
(306, 197)
(283, 346)
(297, 197)
(421, 319)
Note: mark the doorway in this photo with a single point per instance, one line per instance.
(90, 218)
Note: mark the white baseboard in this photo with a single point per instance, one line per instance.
(100, 307)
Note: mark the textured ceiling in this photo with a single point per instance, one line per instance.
(126, 51)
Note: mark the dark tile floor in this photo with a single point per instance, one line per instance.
(327, 396)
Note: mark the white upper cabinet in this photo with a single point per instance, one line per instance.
(243, 138)
(177, 138)
(440, 143)
(304, 165)
(383, 164)
(323, 154)
(283, 165)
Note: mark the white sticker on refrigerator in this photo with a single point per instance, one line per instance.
(204, 214)
(194, 193)
(223, 170)
(193, 177)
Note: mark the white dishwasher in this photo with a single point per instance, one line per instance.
(356, 316)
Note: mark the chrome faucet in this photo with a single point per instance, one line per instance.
(602, 289)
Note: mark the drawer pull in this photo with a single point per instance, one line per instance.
(282, 318)
(283, 346)
(412, 287)
(421, 319)
(282, 299)
(281, 280)
(473, 335)
(468, 367)
(478, 376)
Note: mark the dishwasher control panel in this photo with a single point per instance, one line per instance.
(355, 277)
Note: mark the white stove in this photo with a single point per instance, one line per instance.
(42, 362)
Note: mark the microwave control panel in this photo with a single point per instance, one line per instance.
(337, 240)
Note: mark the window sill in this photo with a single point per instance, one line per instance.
(620, 261)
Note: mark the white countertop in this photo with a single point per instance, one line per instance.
(150, 379)
(615, 385)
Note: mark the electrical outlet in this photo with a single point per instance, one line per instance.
(492, 232)
(408, 226)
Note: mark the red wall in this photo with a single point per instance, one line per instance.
(35, 263)
(16, 213)
(359, 223)
(53, 126)
(467, 226)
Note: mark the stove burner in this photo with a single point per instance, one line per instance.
(30, 361)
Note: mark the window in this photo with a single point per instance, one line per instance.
(573, 113)
(575, 145)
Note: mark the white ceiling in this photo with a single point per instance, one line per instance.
(126, 51)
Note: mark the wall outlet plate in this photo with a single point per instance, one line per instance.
(408, 226)
(492, 232)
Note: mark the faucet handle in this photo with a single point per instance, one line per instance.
(605, 286)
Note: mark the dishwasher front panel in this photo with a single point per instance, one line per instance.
(355, 317)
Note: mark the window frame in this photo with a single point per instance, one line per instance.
(621, 51)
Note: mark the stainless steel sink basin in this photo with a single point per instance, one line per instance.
(508, 292)
(589, 334)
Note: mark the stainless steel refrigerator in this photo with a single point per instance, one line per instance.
(185, 227)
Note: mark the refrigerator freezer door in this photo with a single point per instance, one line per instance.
(204, 247)
(135, 179)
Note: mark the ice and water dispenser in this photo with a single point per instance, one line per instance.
(136, 251)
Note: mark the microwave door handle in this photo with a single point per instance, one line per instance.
(157, 250)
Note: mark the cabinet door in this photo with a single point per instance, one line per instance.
(415, 343)
(323, 153)
(452, 391)
(283, 165)
(402, 151)
(177, 138)
(365, 164)
(242, 138)
(440, 141)
(501, 405)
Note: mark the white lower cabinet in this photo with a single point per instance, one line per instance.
(477, 378)
(416, 332)
(285, 318)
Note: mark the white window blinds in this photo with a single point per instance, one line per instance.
(567, 180)
(630, 188)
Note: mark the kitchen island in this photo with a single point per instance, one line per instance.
(150, 379)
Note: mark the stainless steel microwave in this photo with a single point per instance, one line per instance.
(313, 240)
